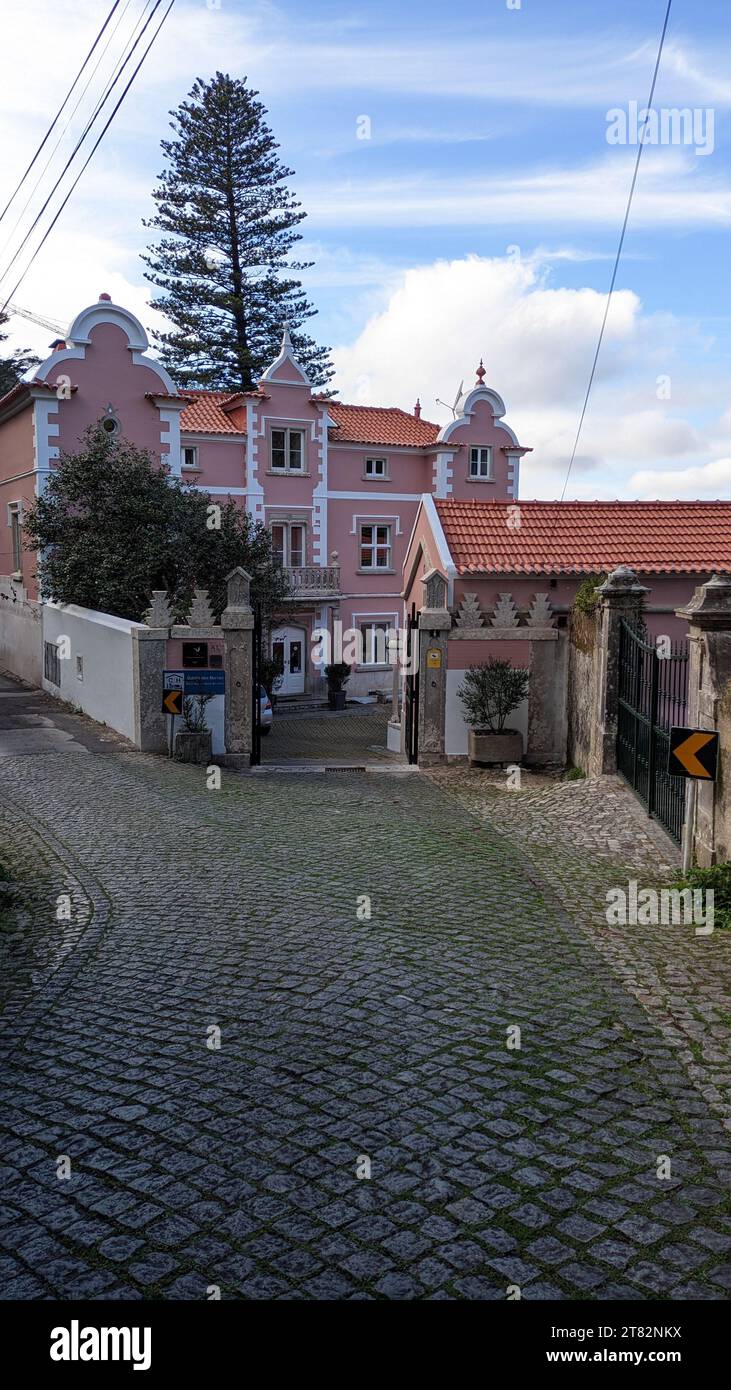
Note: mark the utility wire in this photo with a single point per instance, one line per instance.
(44, 170)
(619, 251)
(100, 104)
(57, 117)
(92, 152)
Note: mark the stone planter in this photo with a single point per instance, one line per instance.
(193, 748)
(336, 699)
(506, 747)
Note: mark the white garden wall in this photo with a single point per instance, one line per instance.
(21, 647)
(95, 667)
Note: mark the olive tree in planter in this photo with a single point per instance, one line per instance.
(194, 742)
(337, 675)
(489, 694)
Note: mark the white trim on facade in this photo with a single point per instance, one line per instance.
(286, 354)
(44, 453)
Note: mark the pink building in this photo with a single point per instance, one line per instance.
(338, 485)
(360, 500)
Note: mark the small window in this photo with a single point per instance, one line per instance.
(109, 422)
(376, 468)
(481, 462)
(15, 521)
(79, 668)
(375, 638)
(375, 547)
(288, 450)
(190, 456)
(51, 663)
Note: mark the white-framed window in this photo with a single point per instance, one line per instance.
(481, 461)
(375, 546)
(15, 522)
(375, 638)
(376, 467)
(288, 450)
(288, 540)
(189, 456)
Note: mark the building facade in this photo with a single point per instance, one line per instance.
(338, 485)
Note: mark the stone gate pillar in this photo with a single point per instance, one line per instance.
(149, 646)
(620, 596)
(709, 707)
(435, 622)
(237, 623)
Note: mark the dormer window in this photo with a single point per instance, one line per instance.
(189, 456)
(376, 468)
(288, 450)
(481, 463)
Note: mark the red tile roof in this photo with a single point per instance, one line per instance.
(375, 424)
(354, 424)
(205, 414)
(587, 537)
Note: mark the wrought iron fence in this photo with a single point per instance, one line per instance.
(653, 693)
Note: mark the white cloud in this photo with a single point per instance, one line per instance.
(672, 191)
(707, 480)
(537, 344)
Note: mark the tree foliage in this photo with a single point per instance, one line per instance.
(14, 364)
(112, 525)
(228, 222)
(491, 692)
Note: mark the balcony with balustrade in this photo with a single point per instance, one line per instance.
(308, 582)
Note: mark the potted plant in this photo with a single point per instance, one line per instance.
(337, 675)
(194, 742)
(489, 694)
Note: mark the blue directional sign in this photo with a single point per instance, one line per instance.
(196, 682)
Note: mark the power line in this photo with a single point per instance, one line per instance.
(619, 250)
(100, 104)
(57, 117)
(92, 151)
(38, 181)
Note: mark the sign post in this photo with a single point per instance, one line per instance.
(693, 754)
(173, 686)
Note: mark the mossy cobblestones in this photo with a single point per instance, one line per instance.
(340, 1038)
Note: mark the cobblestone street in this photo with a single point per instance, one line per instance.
(349, 1043)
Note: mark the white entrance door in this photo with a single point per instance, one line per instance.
(288, 652)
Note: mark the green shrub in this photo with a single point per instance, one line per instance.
(717, 877)
(585, 598)
(491, 692)
(574, 774)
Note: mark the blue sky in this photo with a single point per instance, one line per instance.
(480, 217)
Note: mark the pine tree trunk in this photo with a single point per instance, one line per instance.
(237, 279)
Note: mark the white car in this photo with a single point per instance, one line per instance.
(266, 713)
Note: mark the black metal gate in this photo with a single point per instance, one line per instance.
(653, 692)
(256, 656)
(412, 686)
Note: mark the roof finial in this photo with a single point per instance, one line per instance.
(286, 339)
(480, 374)
(417, 409)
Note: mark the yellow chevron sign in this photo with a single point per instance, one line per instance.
(693, 753)
(172, 702)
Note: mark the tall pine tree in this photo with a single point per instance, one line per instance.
(14, 365)
(228, 221)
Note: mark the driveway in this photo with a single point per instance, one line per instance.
(263, 1040)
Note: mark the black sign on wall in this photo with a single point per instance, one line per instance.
(195, 653)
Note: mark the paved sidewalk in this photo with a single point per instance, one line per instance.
(350, 1044)
(355, 735)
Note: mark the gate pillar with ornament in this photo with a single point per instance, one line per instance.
(237, 624)
(435, 622)
(620, 596)
(708, 830)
